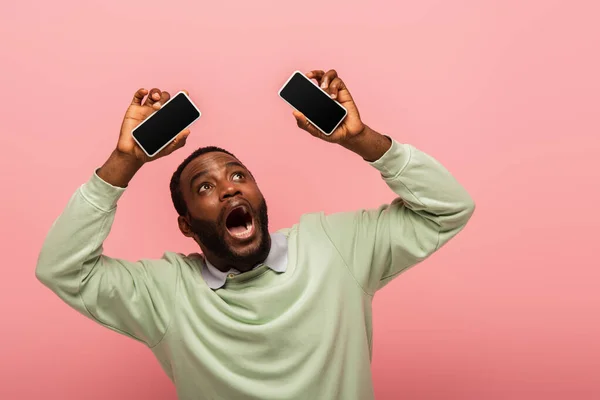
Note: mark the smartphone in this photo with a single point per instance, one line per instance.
(159, 129)
(317, 106)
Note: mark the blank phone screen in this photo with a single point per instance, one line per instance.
(165, 124)
(317, 106)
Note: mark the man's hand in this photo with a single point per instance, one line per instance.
(128, 157)
(352, 133)
(351, 126)
(137, 112)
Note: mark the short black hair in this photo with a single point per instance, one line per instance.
(175, 184)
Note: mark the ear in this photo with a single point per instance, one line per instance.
(185, 227)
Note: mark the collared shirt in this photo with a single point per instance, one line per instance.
(276, 260)
(302, 334)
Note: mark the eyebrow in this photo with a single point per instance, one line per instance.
(200, 174)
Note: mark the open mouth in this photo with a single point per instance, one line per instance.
(239, 223)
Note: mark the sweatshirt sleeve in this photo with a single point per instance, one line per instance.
(431, 208)
(132, 298)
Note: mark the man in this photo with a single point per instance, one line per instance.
(285, 315)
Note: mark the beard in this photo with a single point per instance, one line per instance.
(212, 235)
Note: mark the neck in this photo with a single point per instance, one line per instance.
(225, 266)
(243, 265)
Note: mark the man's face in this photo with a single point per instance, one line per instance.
(227, 213)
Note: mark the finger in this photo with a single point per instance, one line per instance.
(153, 97)
(176, 143)
(164, 97)
(180, 140)
(316, 74)
(336, 85)
(328, 78)
(304, 124)
(138, 97)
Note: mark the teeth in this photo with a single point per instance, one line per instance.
(242, 234)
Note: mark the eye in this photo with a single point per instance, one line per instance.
(238, 176)
(203, 187)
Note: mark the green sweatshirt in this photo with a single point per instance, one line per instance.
(305, 333)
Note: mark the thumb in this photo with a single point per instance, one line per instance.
(299, 117)
(304, 124)
(180, 140)
(183, 136)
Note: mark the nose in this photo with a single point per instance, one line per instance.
(229, 190)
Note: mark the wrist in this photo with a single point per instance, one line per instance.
(368, 144)
(119, 169)
(127, 159)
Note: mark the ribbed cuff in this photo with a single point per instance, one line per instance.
(101, 193)
(393, 162)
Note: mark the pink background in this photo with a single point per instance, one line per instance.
(504, 93)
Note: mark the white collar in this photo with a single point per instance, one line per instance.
(276, 260)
